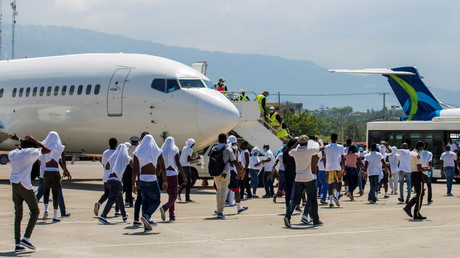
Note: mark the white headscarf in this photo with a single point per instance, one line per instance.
(169, 153)
(119, 160)
(254, 150)
(147, 151)
(189, 142)
(53, 142)
(232, 139)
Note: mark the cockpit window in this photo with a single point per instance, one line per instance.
(172, 86)
(165, 85)
(209, 84)
(159, 84)
(191, 83)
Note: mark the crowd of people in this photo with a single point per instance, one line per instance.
(308, 171)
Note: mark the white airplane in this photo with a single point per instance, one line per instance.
(89, 98)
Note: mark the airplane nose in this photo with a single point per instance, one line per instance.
(215, 114)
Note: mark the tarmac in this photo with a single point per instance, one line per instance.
(356, 229)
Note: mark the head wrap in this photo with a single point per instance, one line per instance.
(119, 160)
(169, 153)
(232, 139)
(148, 151)
(53, 142)
(190, 142)
(254, 150)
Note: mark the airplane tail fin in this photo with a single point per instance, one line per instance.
(415, 98)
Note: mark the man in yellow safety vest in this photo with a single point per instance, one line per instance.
(262, 100)
(220, 86)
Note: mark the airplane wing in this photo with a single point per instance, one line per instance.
(383, 71)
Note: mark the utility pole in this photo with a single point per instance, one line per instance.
(384, 106)
(15, 13)
(279, 99)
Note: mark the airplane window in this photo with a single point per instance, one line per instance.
(97, 89)
(48, 91)
(14, 92)
(64, 90)
(80, 89)
(172, 86)
(1, 93)
(195, 83)
(34, 91)
(71, 90)
(42, 91)
(209, 84)
(21, 91)
(56, 90)
(27, 91)
(159, 84)
(88, 89)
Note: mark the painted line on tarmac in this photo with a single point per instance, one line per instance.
(245, 238)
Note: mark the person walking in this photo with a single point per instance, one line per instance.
(404, 172)
(268, 167)
(373, 163)
(417, 181)
(244, 157)
(289, 171)
(427, 162)
(306, 158)
(282, 182)
(171, 157)
(254, 169)
(22, 160)
(128, 175)
(234, 185)
(185, 159)
(105, 157)
(448, 166)
(334, 169)
(393, 161)
(352, 162)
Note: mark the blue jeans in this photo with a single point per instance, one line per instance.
(115, 195)
(373, 185)
(282, 182)
(352, 178)
(61, 196)
(449, 172)
(322, 184)
(150, 192)
(268, 183)
(402, 176)
(254, 174)
(311, 207)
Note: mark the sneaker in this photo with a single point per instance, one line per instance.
(400, 199)
(255, 196)
(56, 220)
(361, 193)
(371, 201)
(298, 208)
(27, 244)
(331, 205)
(274, 198)
(429, 202)
(318, 223)
(179, 198)
(152, 223)
(386, 196)
(117, 214)
(287, 222)
(305, 220)
(137, 223)
(323, 202)
(407, 200)
(420, 217)
(336, 200)
(103, 220)
(449, 194)
(146, 223)
(125, 218)
(162, 212)
(408, 212)
(266, 196)
(45, 216)
(189, 200)
(65, 215)
(220, 215)
(97, 205)
(147, 230)
(242, 209)
(172, 219)
(19, 248)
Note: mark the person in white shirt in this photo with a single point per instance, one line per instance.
(234, 185)
(373, 163)
(22, 160)
(268, 163)
(393, 160)
(448, 167)
(305, 153)
(362, 180)
(128, 175)
(244, 162)
(254, 169)
(427, 161)
(453, 146)
(334, 169)
(185, 159)
(105, 157)
(404, 172)
(279, 161)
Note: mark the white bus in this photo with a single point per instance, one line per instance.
(435, 133)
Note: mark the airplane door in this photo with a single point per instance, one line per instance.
(115, 92)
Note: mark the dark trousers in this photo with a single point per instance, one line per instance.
(173, 183)
(150, 192)
(21, 194)
(244, 185)
(137, 205)
(61, 196)
(373, 185)
(282, 183)
(268, 183)
(104, 196)
(289, 181)
(115, 195)
(352, 178)
(428, 186)
(417, 182)
(188, 175)
(52, 181)
(127, 185)
(311, 206)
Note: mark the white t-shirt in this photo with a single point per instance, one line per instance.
(268, 166)
(22, 161)
(404, 160)
(449, 158)
(253, 160)
(374, 160)
(393, 158)
(303, 156)
(415, 160)
(280, 161)
(321, 166)
(242, 158)
(427, 156)
(105, 157)
(186, 152)
(334, 154)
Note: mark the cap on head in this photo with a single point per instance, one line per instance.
(222, 79)
(266, 93)
(232, 139)
(272, 108)
(303, 139)
(134, 139)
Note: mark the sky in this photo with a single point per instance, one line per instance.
(330, 33)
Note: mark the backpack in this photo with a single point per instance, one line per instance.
(216, 163)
